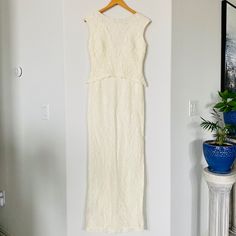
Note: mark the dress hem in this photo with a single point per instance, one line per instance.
(122, 230)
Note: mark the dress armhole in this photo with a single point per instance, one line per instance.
(88, 22)
(146, 23)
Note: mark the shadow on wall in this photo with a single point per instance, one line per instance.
(6, 105)
(196, 179)
(195, 175)
(10, 151)
(11, 162)
(32, 166)
(196, 157)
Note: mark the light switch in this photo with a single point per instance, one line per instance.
(45, 112)
(193, 108)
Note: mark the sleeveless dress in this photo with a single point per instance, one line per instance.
(115, 184)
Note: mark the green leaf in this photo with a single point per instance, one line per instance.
(222, 109)
(230, 128)
(221, 94)
(232, 103)
(231, 94)
(224, 94)
(219, 105)
(208, 125)
(227, 109)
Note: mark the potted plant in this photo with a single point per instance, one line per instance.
(219, 153)
(227, 105)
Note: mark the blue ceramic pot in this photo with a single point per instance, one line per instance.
(230, 117)
(219, 158)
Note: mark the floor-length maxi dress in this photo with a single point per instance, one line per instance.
(115, 185)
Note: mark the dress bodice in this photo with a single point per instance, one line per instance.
(117, 47)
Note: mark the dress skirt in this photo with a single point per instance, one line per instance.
(115, 189)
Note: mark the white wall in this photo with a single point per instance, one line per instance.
(32, 149)
(4, 60)
(32, 163)
(195, 76)
(157, 106)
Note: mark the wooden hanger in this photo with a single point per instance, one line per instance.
(117, 2)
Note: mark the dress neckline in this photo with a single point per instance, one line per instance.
(123, 19)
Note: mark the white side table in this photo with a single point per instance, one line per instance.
(219, 194)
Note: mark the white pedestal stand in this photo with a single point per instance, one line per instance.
(219, 195)
(233, 212)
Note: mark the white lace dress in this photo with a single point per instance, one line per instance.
(115, 187)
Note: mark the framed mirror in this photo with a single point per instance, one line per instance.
(228, 63)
